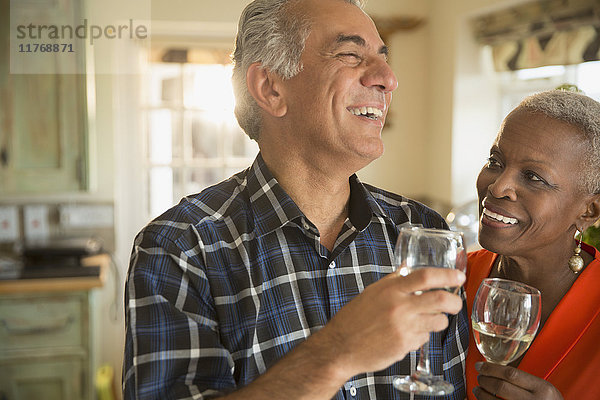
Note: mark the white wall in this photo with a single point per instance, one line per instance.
(446, 107)
(402, 167)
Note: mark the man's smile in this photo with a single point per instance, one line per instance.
(373, 113)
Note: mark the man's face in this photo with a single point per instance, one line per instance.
(337, 104)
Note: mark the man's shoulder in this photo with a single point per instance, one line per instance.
(403, 209)
(213, 206)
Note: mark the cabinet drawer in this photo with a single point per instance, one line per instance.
(48, 379)
(41, 322)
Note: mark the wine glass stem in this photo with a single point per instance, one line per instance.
(423, 368)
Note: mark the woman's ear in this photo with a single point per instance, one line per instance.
(591, 213)
(264, 87)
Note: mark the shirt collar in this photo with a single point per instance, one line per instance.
(273, 208)
(362, 204)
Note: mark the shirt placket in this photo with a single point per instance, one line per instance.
(333, 279)
(350, 390)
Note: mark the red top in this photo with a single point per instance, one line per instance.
(566, 352)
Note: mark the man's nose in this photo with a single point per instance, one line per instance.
(379, 74)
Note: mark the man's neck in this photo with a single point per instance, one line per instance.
(322, 196)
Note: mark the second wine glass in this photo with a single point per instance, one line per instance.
(418, 248)
(505, 319)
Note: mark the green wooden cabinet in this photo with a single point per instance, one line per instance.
(43, 379)
(46, 346)
(43, 117)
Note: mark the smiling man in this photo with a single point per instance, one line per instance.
(278, 283)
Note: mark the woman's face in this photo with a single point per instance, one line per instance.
(529, 193)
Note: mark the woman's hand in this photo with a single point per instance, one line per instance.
(504, 382)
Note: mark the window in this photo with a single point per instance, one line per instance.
(516, 85)
(192, 139)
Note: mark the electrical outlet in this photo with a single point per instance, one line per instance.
(86, 216)
(35, 220)
(9, 224)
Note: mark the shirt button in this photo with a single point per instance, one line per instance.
(352, 391)
(332, 265)
(305, 225)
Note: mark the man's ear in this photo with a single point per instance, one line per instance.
(591, 213)
(264, 87)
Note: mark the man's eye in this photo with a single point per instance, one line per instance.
(353, 57)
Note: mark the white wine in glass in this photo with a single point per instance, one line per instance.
(419, 248)
(505, 319)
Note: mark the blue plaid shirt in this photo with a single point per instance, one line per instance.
(227, 282)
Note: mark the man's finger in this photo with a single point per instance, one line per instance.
(428, 278)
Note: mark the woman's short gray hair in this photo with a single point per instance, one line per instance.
(271, 34)
(580, 111)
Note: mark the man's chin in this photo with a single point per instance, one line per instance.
(367, 155)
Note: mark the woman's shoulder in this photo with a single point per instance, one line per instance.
(479, 264)
(480, 256)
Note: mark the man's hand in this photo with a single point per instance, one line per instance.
(504, 382)
(387, 320)
(374, 330)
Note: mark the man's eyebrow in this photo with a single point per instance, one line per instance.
(358, 40)
(350, 38)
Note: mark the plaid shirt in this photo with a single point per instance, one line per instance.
(227, 282)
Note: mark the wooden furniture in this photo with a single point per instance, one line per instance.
(44, 113)
(47, 336)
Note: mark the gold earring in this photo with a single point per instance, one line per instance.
(576, 262)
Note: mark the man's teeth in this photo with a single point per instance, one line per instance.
(370, 112)
(498, 217)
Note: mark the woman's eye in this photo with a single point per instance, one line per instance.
(492, 162)
(533, 177)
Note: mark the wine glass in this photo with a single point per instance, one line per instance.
(505, 319)
(417, 248)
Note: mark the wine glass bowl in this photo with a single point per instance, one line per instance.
(505, 319)
(418, 248)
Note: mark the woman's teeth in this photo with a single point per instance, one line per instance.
(498, 217)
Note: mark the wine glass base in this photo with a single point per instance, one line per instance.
(429, 385)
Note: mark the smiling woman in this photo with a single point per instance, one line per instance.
(532, 160)
(540, 186)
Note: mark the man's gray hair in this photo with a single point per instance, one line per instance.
(271, 34)
(580, 111)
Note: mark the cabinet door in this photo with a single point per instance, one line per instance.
(48, 379)
(33, 323)
(43, 117)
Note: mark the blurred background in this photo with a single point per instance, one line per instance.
(118, 132)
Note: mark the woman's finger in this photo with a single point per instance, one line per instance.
(510, 383)
(503, 389)
(506, 373)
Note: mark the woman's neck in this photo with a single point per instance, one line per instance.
(550, 275)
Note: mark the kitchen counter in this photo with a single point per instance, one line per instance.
(61, 283)
(47, 334)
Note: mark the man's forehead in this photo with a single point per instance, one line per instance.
(337, 22)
